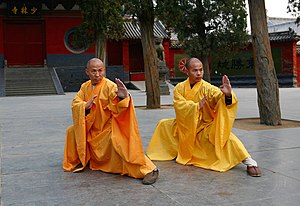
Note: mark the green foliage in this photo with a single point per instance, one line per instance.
(101, 19)
(294, 8)
(142, 9)
(205, 26)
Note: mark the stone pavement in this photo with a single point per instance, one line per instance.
(32, 133)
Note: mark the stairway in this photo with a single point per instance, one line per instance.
(28, 81)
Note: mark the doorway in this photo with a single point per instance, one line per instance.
(24, 43)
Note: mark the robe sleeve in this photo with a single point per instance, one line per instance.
(187, 117)
(125, 132)
(117, 105)
(222, 123)
(78, 113)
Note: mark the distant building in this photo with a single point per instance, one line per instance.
(284, 46)
(239, 65)
(277, 24)
(39, 34)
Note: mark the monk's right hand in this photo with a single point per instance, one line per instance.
(202, 102)
(90, 103)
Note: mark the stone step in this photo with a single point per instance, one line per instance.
(24, 88)
(28, 81)
(28, 93)
(29, 90)
(26, 71)
(26, 78)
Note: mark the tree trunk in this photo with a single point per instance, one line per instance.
(206, 68)
(266, 79)
(149, 54)
(101, 49)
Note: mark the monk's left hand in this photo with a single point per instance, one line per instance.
(202, 102)
(122, 90)
(226, 86)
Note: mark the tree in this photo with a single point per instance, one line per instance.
(102, 20)
(144, 11)
(205, 26)
(266, 80)
(294, 8)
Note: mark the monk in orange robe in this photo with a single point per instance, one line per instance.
(105, 133)
(200, 135)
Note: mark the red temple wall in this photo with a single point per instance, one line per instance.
(166, 45)
(55, 29)
(1, 36)
(136, 60)
(287, 56)
(297, 70)
(114, 53)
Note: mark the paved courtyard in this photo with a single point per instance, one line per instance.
(32, 135)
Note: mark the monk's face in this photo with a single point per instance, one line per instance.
(195, 71)
(95, 71)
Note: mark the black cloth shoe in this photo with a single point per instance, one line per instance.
(151, 177)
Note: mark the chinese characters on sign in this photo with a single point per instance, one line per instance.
(242, 63)
(24, 8)
(236, 64)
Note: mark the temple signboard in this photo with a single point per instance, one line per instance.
(24, 8)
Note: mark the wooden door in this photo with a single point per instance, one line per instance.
(24, 43)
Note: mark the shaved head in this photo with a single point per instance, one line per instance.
(191, 61)
(194, 70)
(95, 69)
(93, 60)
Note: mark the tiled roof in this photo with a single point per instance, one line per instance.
(282, 36)
(274, 21)
(132, 30)
(275, 36)
(175, 44)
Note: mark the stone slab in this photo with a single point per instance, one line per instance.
(32, 135)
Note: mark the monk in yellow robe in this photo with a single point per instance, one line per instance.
(200, 135)
(105, 133)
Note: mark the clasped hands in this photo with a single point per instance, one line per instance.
(121, 93)
(225, 88)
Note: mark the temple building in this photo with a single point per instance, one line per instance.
(36, 36)
(37, 55)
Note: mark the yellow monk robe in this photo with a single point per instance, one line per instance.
(108, 137)
(199, 137)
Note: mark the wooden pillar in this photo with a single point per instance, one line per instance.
(125, 45)
(296, 69)
(166, 45)
(125, 51)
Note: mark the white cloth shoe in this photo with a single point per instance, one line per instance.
(249, 162)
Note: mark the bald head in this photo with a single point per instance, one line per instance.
(95, 69)
(192, 61)
(194, 70)
(93, 61)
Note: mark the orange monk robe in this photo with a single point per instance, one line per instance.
(199, 137)
(108, 137)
